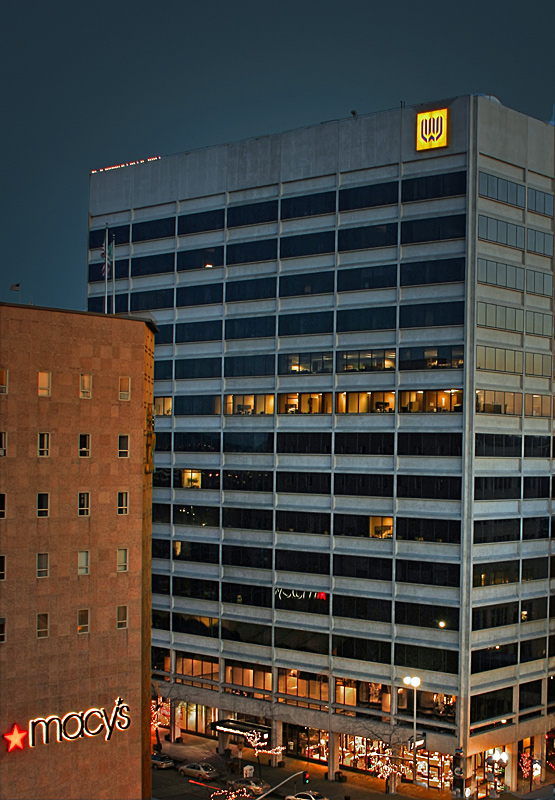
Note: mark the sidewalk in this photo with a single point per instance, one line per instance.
(357, 787)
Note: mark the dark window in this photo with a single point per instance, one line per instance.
(303, 482)
(438, 487)
(303, 324)
(380, 194)
(445, 357)
(375, 444)
(160, 658)
(258, 289)
(445, 270)
(161, 621)
(243, 594)
(365, 360)
(535, 486)
(311, 205)
(252, 214)
(249, 518)
(162, 478)
(197, 368)
(498, 445)
(415, 529)
(351, 280)
(203, 221)
(163, 442)
(503, 190)
(163, 370)
(375, 569)
(200, 259)
(361, 608)
(250, 327)
(301, 561)
(303, 442)
(195, 626)
(196, 405)
(153, 229)
(424, 616)
(248, 252)
(249, 366)
(535, 528)
(429, 444)
(307, 244)
(205, 294)
(305, 641)
(161, 548)
(535, 569)
(161, 512)
(531, 610)
(429, 187)
(366, 319)
(427, 572)
(494, 616)
(496, 488)
(122, 304)
(196, 442)
(361, 649)
(496, 530)
(433, 229)
(248, 481)
(304, 363)
(161, 584)
(495, 573)
(303, 522)
(302, 602)
(191, 587)
(496, 657)
(537, 447)
(96, 271)
(367, 238)
(308, 283)
(488, 705)
(248, 632)
(208, 331)
(532, 649)
(254, 557)
(529, 694)
(248, 442)
(156, 298)
(97, 238)
(427, 315)
(428, 658)
(164, 334)
(199, 516)
(363, 485)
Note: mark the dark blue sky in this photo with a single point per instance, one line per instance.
(87, 85)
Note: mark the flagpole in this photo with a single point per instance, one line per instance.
(106, 270)
(113, 273)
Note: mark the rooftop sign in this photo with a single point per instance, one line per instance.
(431, 129)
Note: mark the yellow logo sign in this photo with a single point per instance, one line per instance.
(431, 129)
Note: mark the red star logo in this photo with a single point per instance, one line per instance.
(15, 738)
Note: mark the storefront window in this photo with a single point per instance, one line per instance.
(196, 718)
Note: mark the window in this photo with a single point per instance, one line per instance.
(539, 282)
(247, 404)
(123, 446)
(498, 274)
(445, 357)
(2, 629)
(2, 568)
(3, 381)
(121, 617)
(84, 445)
(84, 504)
(495, 230)
(85, 386)
(44, 384)
(83, 620)
(83, 562)
(305, 403)
(124, 388)
(539, 324)
(537, 405)
(42, 626)
(514, 194)
(489, 401)
(540, 202)
(3, 443)
(365, 360)
(364, 402)
(431, 401)
(123, 559)
(42, 504)
(2, 506)
(123, 502)
(540, 242)
(42, 565)
(44, 444)
(163, 406)
(188, 368)
(504, 318)
(497, 359)
(304, 363)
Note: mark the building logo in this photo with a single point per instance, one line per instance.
(431, 129)
(74, 725)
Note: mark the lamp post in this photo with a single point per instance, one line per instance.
(497, 761)
(413, 681)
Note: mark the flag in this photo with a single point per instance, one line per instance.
(106, 261)
(15, 287)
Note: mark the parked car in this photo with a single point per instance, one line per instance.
(253, 786)
(161, 761)
(200, 770)
(306, 795)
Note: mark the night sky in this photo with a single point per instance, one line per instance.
(87, 85)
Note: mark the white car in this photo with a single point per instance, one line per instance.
(253, 786)
(306, 795)
(200, 770)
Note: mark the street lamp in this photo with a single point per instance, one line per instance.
(413, 681)
(498, 761)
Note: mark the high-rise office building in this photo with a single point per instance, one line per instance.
(75, 497)
(353, 388)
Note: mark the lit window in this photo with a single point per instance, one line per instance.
(45, 384)
(44, 444)
(163, 406)
(123, 446)
(121, 619)
(2, 506)
(84, 445)
(85, 387)
(83, 562)
(3, 443)
(42, 626)
(3, 381)
(42, 504)
(123, 559)
(42, 565)
(124, 388)
(2, 568)
(2, 629)
(83, 620)
(84, 504)
(123, 502)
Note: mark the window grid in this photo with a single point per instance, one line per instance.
(123, 446)
(44, 445)
(123, 503)
(498, 359)
(83, 562)
(42, 565)
(84, 445)
(84, 504)
(121, 617)
(123, 559)
(42, 504)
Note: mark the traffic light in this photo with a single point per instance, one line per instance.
(306, 777)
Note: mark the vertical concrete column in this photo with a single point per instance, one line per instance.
(223, 738)
(277, 740)
(538, 751)
(543, 756)
(333, 754)
(511, 771)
